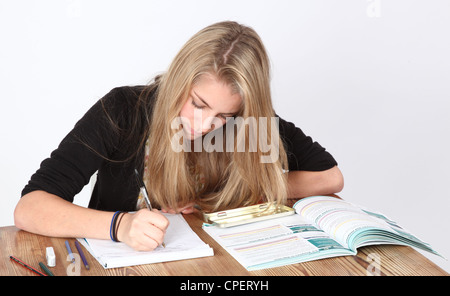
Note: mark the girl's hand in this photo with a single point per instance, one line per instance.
(143, 230)
(187, 209)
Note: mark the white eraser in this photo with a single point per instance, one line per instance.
(51, 258)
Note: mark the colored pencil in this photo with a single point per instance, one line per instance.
(77, 244)
(69, 250)
(20, 262)
(45, 269)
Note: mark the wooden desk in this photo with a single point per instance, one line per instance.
(394, 260)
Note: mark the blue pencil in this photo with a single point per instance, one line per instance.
(70, 251)
(77, 244)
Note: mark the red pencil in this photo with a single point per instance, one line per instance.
(26, 265)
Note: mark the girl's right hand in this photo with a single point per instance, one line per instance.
(143, 230)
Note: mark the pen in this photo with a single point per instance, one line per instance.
(45, 269)
(77, 244)
(144, 193)
(69, 250)
(26, 266)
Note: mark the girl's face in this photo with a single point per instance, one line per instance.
(210, 101)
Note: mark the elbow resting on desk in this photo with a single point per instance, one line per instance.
(23, 219)
(36, 212)
(47, 214)
(307, 183)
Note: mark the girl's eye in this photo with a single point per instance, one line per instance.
(196, 106)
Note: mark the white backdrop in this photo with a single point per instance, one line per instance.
(368, 79)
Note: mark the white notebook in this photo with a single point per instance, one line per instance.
(180, 240)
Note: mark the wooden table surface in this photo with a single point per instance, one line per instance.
(30, 248)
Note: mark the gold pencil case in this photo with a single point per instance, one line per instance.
(248, 214)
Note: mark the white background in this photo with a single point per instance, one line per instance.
(368, 79)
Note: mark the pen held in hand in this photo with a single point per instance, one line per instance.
(144, 193)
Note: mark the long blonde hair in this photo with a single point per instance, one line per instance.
(236, 55)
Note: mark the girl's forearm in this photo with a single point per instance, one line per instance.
(306, 183)
(47, 214)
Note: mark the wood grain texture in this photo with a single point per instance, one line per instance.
(389, 260)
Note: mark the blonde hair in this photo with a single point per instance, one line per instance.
(236, 55)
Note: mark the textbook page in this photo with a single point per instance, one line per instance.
(353, 226)
(180, 240)
(336, 217)
(275, 242)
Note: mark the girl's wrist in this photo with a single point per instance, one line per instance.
(115, 224)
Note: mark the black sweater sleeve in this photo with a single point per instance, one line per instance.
(302, 152)
(80, 154)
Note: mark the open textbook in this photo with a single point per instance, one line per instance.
(322, 227)
(180, 240)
